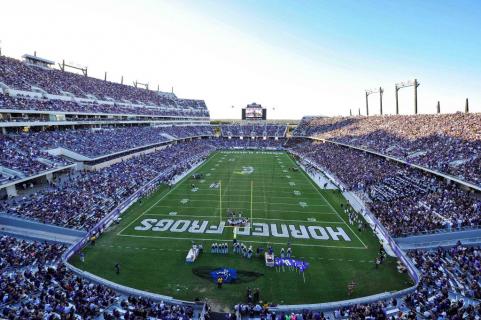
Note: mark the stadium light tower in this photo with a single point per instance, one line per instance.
(137, 84)
(72, 65)
(371, 91)
(406, 84)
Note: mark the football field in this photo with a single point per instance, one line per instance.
(284, 207)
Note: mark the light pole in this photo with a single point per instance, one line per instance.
(379, 90)
(411, 83)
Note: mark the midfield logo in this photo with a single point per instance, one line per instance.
(247, 170)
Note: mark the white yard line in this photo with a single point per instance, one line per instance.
(179, 215)
(216, 195)
(249, 241)
(303, 221)
(255, 219)
(172, 208)
(255, 202)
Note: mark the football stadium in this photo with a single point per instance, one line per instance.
(122, 200)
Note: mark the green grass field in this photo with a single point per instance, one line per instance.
(284, 206)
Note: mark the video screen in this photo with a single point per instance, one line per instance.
(253, 113)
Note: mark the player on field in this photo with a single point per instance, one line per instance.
(350, 287)
(117, 268)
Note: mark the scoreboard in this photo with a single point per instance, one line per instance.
(254, 111)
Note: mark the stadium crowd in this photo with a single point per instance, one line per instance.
(83, 199)
(449, 143)
(22, 76)
(25, 152)
(248, 144)
(98, 142)
(405, 200)
(186, 108)
(131, 308)
(257, 130)
(456, 269)
(16, 253)
(24, 156)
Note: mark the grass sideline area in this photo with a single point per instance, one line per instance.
(262, 186)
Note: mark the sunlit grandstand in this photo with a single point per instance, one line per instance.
(119, 200)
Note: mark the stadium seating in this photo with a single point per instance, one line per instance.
(96, 143)
(84, 199)
(25, 157)
(21, 253)
(25, 153)
(248, 144)
(455, 270)
(178, 108)
(405, 200)
(449, 143)
(21, 76)
(256, 130)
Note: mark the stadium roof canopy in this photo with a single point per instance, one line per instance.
(37, 60)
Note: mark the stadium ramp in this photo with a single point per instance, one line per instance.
(31, 230)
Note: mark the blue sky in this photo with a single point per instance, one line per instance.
(353, 33)
(301, 57)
